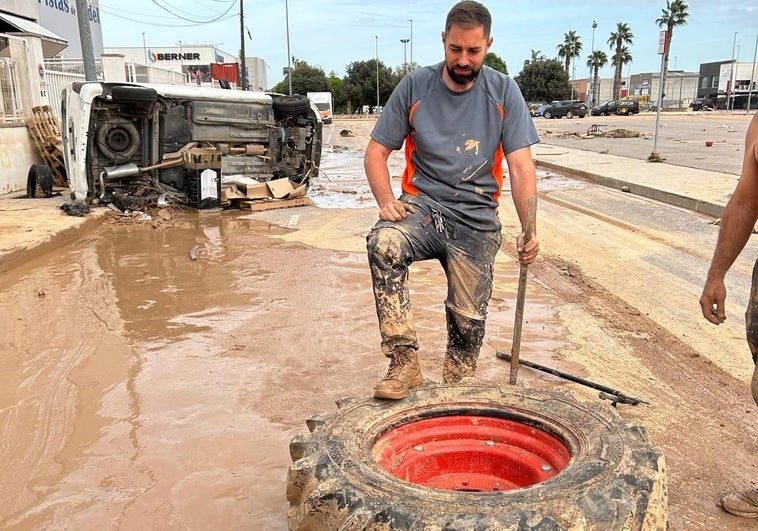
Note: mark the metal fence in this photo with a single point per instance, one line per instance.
(56, 82)
(11, 109)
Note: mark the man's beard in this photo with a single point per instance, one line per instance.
(462, 79)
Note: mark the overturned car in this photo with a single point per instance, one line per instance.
(121, 140)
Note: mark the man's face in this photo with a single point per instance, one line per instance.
(465, 49)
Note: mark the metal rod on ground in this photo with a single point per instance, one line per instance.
(528, 229)
(617, 396)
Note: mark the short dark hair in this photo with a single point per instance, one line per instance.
(469, 13)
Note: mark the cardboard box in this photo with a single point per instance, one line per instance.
(275, 189)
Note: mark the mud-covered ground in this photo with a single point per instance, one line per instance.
(142, 388)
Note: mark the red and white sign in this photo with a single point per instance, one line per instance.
(662, 42)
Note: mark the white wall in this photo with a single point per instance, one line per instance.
(17, 153)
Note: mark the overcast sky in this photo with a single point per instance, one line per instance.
(333, 33)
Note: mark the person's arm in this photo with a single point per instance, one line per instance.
(523, 185)
(737, 223)
(378, 175)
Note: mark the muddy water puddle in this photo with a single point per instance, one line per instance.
(142, 388)
(342, 181)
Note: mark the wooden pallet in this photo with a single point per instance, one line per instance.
(44, 129)
(257, 206)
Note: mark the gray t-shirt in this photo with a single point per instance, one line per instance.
(455, 141)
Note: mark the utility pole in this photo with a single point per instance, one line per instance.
(243, 73)
(85, 35)
(377, 73)
(289, 55)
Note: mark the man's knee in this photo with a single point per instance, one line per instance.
(388, 245)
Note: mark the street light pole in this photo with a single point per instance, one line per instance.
(411, 21)
(405, 63)
(730, 102)
(377, 72)
(289, 55)
(592, 58)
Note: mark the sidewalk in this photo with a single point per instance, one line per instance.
(33, 226)
(702, 191)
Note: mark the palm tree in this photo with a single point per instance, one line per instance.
(571, 47)
(537, 55)
(596, 61)
(623, 35)
(675, 14)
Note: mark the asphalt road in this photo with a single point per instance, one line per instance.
(682, 137)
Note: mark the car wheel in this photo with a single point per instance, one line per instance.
(569, 114)
(473, 456)
(118, 139)
(290, 106)
(547, 115)
(40, 175)
(133, 94)
(582, 115)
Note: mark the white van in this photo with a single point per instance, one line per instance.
(323, 101)
(123, 138)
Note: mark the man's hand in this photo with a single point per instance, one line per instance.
(712, 301)
(528, 251)
(395, 210)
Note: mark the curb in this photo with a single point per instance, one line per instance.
(15, 257)
(704, 207)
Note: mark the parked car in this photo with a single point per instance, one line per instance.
(704, 104)
(539, 110)
(567, 108)
(120, 139)
(534, 105)
(623, 107)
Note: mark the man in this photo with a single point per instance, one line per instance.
(457, 119)
(737, 223)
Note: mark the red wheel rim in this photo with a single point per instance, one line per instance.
(471, 453)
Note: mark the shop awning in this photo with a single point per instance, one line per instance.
(13, 25)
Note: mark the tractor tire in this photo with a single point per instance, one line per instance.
(613, 478)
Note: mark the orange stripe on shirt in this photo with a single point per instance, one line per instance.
(410, 147)
(497, 168)
(497, 171)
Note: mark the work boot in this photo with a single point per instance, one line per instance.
(453, 371)
(404, 373)
(742, 503)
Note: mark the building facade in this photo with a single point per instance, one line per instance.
(680, 88)
(730, 83)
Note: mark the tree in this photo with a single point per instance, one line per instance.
(305, 78)
(494, 61)
(675, 14)
(361, 80)
(623, 35)
(597, 60)
(339, 100)
(571, 48)
(537, 55)
(544, 80)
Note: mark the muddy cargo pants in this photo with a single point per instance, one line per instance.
(467, 257)
(751, 323)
